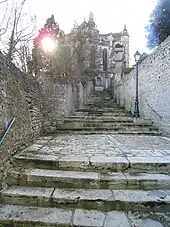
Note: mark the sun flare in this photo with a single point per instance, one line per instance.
(48, 44)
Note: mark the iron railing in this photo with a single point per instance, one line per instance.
(7, 130)
(155, 111)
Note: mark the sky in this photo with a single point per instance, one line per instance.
(109, 15)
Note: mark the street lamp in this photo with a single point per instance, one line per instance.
(136, 110)
(111, 85)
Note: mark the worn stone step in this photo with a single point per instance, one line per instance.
(98, 119)
(102, 118)
(101, 124)
(116, 120)
(19, 216)
(97, 163)
(99, 199)
(91, 180)
(100, 106)
(99, 111)
(83, 132)
(112, 114)
(104, 105)
(105, 127)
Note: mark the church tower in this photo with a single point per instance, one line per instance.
(91, 22)
(125, 42)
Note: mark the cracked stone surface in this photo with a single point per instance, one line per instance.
(88, 218)
(99, 199)
(103, 151)
(36, 214)
(116, 219)
(80, 217)
(150, 219)
(103, 145)
(80, 194)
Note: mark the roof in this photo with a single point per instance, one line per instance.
(113, 34)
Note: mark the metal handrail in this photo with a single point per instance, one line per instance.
(7, 130)
(154, 111)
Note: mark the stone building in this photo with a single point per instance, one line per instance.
(106, 54)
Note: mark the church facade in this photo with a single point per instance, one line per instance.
(106, 54)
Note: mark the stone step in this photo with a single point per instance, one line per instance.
(102, 124)
(101, 106)
(99, 199)
(111, 114)
(88, 180)
(107, 104)
(102, 118)
(95, 163)
(19, 216)
(105, 127)
(112, 132)
(116, 120)
(99, 111)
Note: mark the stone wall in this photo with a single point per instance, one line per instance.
(82, 93)
(57, 99)
(87, 90)
(37, 104)
(154, 87)
(19, 98)
(60, 98)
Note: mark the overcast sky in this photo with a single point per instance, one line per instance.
(109, 15)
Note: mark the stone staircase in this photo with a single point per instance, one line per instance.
(86, 180)
(101, 115)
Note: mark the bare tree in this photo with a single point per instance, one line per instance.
(23, 53)
(17, 35)
(72, 55)
(75, 51)
(5, 18)
(84, 45)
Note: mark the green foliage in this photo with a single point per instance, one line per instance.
(158, 28)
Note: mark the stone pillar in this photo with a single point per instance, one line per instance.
(80, 96)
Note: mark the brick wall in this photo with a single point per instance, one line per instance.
(154, 87)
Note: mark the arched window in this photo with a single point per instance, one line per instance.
(98, 81)
(105, 60)
(118, 45)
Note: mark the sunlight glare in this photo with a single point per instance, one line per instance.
(48, 44)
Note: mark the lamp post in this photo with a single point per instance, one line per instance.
(111, 85)
(136, 110)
